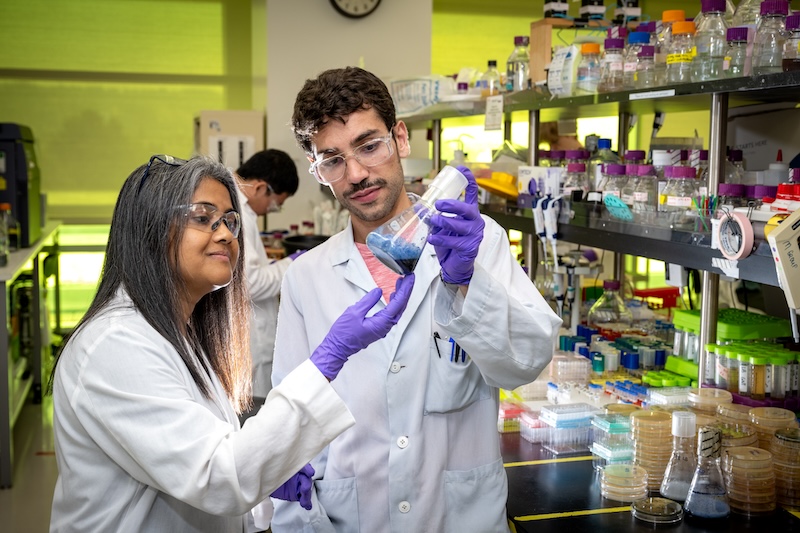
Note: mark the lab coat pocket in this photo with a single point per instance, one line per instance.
(452, 385)
(339, 500)
(476, 499)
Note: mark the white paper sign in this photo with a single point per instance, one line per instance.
(494, 113)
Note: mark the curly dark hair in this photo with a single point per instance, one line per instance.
(335, 94)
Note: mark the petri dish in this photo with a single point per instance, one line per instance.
(657, 510)
(744, 458)
(734, 412)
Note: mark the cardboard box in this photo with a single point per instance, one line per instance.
(231, 136)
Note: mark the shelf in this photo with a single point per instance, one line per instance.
(781, 87)
(690, 249)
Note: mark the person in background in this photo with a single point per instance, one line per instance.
(560, 135)
(147, 389)
(424, 454)
(265, 181)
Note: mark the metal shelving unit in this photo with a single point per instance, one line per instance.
(685, 248)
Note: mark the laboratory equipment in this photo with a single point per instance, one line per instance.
(770, 37)
(707, 496)
(21, 181)
(683, 461)
(399, 242)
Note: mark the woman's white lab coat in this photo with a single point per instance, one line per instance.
(424, 454)
(264, 278)
(139, 448)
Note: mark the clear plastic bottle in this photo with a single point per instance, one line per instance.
(707, 496)
(645, 76)
(609, 308)
(645, 194)
(710, 42)
(791, 48)
(612, 67)
(490, 80)
(702, 171)
(5, 214)
(636, 40)
(681, 48)
(734, 169)
(517, 65)
(604, 155)
(683, 461)
(632, 173)
(676, 198)
(399, 242)
(575, 180)
(748, 13)
(589, 68)
(736, 63)
(614, 180)
(663, 41)
(634, 157)
(649, 28)
(770, 37)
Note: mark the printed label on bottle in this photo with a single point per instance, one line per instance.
(610, 193)
(594, 196)
(722, 371)
(679, 58)
(628, 199)
(614, 62)
(743, 381)
(630, 66)
(726, 63)
(679, 201)
(640, 196)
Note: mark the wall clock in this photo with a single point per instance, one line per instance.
(355, 9)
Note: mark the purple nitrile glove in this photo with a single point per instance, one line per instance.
(297, 488)
(353, 330)
(295, 255)
(456, 238)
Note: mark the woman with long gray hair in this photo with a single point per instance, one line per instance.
(147, 390)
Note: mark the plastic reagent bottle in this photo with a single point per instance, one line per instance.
(636, 40)
(614, 180)
(575, 180)
(645, 194)
(589, 68)
(490, 80)
(707, 497)
(596, 162)
(611, 70)
(770, 37)
(645, 75)
(748, 13)
(683, 462)
(791, 48)
(681, 53)
(517, 65)
(736, 64)
(399, 242)
(710, 41)
(663, 40)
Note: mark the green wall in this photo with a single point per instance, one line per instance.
(104, 84)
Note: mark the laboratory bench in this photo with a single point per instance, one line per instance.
(557, 493)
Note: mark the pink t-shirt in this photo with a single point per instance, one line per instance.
(384, 277)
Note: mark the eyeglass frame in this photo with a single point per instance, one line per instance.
(213, 226)
(312, 169)
(164, 158)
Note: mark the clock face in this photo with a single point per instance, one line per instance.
(355, 8)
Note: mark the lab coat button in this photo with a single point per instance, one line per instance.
(402, 442)
(404, 507)
(395, 368)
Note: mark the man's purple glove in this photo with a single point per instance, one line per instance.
(298, 488)
(354, 331)
(456, 238)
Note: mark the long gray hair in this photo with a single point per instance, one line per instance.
(142, 257)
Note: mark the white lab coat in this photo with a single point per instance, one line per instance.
(424, 454)
(139, 448)
(264, 279)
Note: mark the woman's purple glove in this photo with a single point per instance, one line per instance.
(456, 239)
(298, 488)
(354, 331)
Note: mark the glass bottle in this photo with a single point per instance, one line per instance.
(611, 69)
(634, 157)
(575, 180)
(683, 461)
(681, 48)
(589, 68)
(645, 75)
(710, 42)
(604, 155)
(609, 308)
(770, 37)
(676, 198)
(632, 173)
(490, 80)
(517, 65)
(636, 40)
(734, 168)
(663, 41)
(702, 171)
(707, 496)
(544, 158)
(748, 13)
(649, 28)
(791, 48)
(399, 242)
(614, 179)
(645, 195)
(736, 63)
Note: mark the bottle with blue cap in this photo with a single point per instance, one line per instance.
(636, 40)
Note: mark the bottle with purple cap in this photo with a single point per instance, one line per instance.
(517, 65)
(770, 37)
(612, 69)
(791, 48)
(736, 63)
(710, 40)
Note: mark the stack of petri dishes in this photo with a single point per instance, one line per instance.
(621, 408)
(657, 511)
(786, 459)
(735, 435)
(652, 443)
(623, 483)
(734, 413)
(767, 420)
(705, 401)
(612, 440)
(750, 480)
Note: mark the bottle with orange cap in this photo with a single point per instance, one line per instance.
(681, 53)
(589, 68)
(663, 40)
